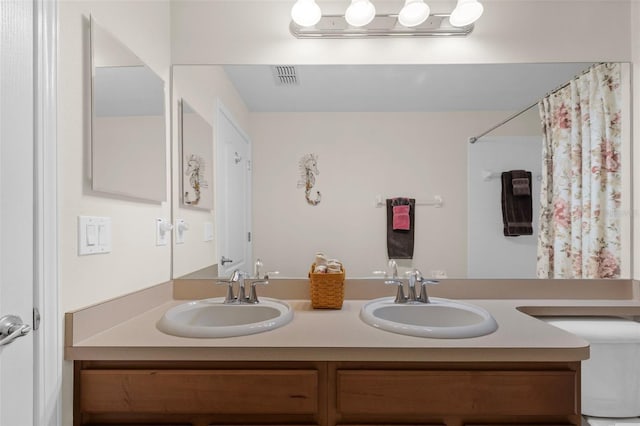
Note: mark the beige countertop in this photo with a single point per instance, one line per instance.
(340, 335)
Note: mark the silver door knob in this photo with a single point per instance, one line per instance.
(12, 327)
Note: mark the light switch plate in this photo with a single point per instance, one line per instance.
(94, 235)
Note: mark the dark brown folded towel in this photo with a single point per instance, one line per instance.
(400, 242)
(521, 186)
(517, 210)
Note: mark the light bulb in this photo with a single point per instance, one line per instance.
(466, 13)
(306, 13)
(414, 13)
(360, 13)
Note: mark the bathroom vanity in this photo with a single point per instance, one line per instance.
(327, 393)
(327, 367)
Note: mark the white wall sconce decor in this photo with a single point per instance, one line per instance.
(360, 20)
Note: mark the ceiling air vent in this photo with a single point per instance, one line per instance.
(285, 75)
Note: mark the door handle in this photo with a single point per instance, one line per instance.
(12, 327)
(224, 260)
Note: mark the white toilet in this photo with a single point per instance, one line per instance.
(611, 376)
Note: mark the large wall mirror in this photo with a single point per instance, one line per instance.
(128, 130)
(385, 131)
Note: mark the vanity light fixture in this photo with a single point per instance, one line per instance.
(360, 20)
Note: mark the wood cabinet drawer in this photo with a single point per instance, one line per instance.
(505, 393)
(199, 391)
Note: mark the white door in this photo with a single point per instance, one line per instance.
(233, 195)
(16, 211)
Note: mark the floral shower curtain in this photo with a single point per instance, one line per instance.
(579, 234)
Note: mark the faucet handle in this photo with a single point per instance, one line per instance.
(253, 296)
(400, 298)
(229, 298)
(424, 297)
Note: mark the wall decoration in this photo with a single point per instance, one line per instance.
(195, 167)
(308, 170)
(197, 159)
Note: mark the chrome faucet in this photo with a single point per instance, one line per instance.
(392, 269)
(237, 276)
(415, 277)
(240, 277)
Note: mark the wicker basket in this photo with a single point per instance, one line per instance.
(327, 290)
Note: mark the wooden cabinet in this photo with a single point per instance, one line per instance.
(327, 393)
(455, 394)
(200, 393)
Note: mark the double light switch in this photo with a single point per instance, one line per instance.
(94, 235)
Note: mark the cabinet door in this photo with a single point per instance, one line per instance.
(199, 391)
(461, 393)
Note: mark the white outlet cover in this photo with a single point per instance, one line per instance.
(181, 228)
(208, 231)
(162, 238)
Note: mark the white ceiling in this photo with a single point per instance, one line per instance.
(401, 88)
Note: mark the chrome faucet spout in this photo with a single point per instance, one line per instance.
(415, 276)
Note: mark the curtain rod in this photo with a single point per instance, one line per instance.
(474, 139)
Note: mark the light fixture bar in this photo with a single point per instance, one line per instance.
(335, 26)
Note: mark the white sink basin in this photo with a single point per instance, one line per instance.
(212, 318)
(442, 318)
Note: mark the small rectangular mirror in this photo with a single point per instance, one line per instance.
(128, 129)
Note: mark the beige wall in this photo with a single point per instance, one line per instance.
(361, 155)
(135, 261)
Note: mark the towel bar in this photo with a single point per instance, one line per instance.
(437, 201)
